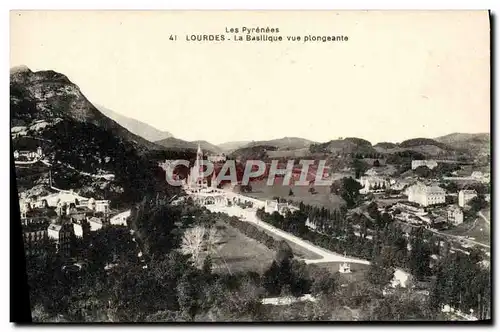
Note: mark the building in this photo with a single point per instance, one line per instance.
(120, 218)
(455, 215)
(373, 183)
(196, 185)
(429, 163)
(195, 178)
(217, 158)
(95, 223)
(34, 233)
(345, 268)
(271, 206)
(62, 233)
(29, 155)
(426, 195)
(464, 196)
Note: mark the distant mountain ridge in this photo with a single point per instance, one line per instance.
(287, 143)
(177, 143)
(135, 126)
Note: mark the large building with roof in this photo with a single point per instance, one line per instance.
(426, 195)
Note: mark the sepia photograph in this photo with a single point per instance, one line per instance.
(252, 166)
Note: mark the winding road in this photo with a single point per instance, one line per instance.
(249, 215)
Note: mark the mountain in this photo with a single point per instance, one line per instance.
(348, 145)
(79, 143)
(285, 143)
(385, 145)
(51, 96)
(135, 126)
(479, 144)
(176, 143)
(231, 146)
(207, 146)
(179, 144)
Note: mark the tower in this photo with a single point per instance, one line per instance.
(213, 182)
(197, 171)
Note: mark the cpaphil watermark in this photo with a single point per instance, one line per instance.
(301, 173)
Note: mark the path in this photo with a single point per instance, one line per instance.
(482, 216)
(460, 238)
(249, 215)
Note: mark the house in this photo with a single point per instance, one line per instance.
(464, 196)
(62, 233)
(217, 158)
(95, 223)
(455, 215)
(120, 218)
(426, 195)
(272, 206)
(345, 268)
(29, 155)
(429, 163)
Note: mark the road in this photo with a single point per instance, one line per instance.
(460, 238)
(485, 219)
(249, 215)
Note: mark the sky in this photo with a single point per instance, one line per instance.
(400, 75)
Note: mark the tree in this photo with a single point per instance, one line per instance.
(290, 192)
(188, 296)
(192, 243)
(376, 163)
(477, 203)
(350, 191)
(359, 167)
(423, 172)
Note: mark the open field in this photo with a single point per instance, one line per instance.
(298, 251)
(322, 197)
(240, 253)
(358, 271)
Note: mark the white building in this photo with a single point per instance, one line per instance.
(195, 178)
(272, 206)
(345, 267)
(464, 196)
(95, 223)
(30, 155)
(373, 183)
(217, 158)
(429, 163)
(120, 218)
(455, 215)
(426, 195)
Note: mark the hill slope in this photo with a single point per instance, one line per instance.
(79, 143)
(231, 146)
(473, 143)
(285, 143)
(48, 95)
(135, 126)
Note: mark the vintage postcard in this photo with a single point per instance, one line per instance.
(252, 166)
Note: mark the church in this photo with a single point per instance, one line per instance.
(196, 185)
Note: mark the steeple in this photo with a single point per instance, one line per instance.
(213, 182)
